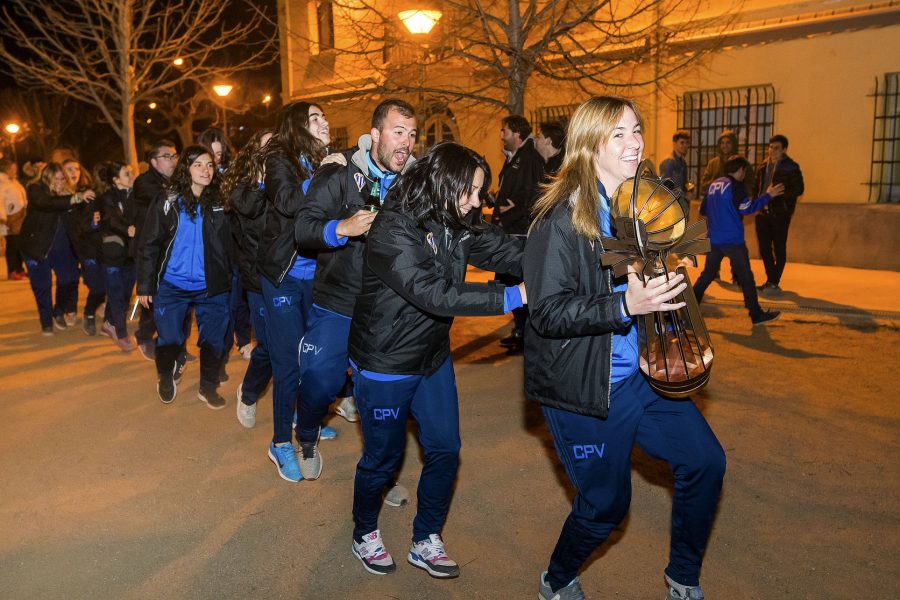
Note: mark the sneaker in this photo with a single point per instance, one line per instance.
(71, 318)
(327, 433)
(397, 496)
(180, 365)
(246, 351)
(188, 357)
(372, 554)
(167, 387)
(285, 460)
(766, 316)
(310, 460)
(570, 592)
(347, 409)
(48, 331)
(212, 398)
(682, 592)
(148, 350)
(89, 324)
(59, 322)
(108, 329)
(125, 344)
(246, 413)
(429, 555)
(512, 339)
(17, 276)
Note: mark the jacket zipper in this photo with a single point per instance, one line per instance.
(608, 379)
(290, 264)
(162, 265)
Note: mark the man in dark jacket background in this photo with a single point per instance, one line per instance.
(773, 221)
(519, 179)
(148, 187)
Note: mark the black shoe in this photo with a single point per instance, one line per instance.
(167, 387)
(180, 365)
(513, 339)
(59, 322)
(189, 357)
(47, 330)
(211, 398)
(89, 324)
(765, 317)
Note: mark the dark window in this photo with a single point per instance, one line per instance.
(325, 18)
(884, 179)
(748, 111)
(550, 114)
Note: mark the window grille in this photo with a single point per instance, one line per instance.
(884, 178)
(748, 111)
(549, 114)
(339, 139)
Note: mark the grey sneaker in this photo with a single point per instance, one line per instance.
(310, 460)
(246, 413)
(430, 555)
(70, 318)
(347, 409)
(682, 592)
(570, 592)
(397, 496)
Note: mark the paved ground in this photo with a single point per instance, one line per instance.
(109, 494)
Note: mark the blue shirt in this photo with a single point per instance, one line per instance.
(186, 268)
(624, 343)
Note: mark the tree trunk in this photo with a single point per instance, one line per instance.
(129, 146)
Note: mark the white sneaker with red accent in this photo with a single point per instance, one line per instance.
(372, 554)
(429, 554)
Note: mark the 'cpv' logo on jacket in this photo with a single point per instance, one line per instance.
(586, 451)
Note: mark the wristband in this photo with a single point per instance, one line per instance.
(625, 307)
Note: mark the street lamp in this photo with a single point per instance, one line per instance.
(420, 22)
(222, 91)
(12, 129)
(178, 62)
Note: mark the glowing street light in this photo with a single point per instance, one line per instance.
(152, 106)
(178, 62)
(266, 99)
(12, 129)
(420, 22)
(222, 90)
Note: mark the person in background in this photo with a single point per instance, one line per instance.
(550, 144)
(46, 248)
(581, 362)
(115, 181)
(675, 167)
(185, 263)
(216, 140)
(13, 201)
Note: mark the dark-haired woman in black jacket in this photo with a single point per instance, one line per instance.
(115, 180)
(184, 262)
(413, 285)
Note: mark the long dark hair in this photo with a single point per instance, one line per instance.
(214, 134)
(180, 182)
(248, 166)
(292, 139)
(432, 186)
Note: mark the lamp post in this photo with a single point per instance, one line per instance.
(12, 129)
(267, 99)
(222, 90)
(420, 23)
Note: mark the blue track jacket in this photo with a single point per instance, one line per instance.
(726, 201)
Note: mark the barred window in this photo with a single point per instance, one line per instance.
(884, 179)
(748, 111)
(339, 139)
(550, 114)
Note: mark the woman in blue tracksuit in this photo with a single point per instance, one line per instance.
(117, 229)
(46, 246)
(183, 262)
(581, 362)
(285, 271)
(428, 230)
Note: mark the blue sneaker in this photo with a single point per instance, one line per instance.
(327, 433)
(285, 458)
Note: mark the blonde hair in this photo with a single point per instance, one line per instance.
(589, 129)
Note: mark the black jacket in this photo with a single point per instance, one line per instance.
(249, 216)
(787, 172)
(337, 192)
(44, 213)
(413, 286)
(573, 312)
(519, 179)
(148, 188)
(284, 199)
(117, 209)
(159, 235)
